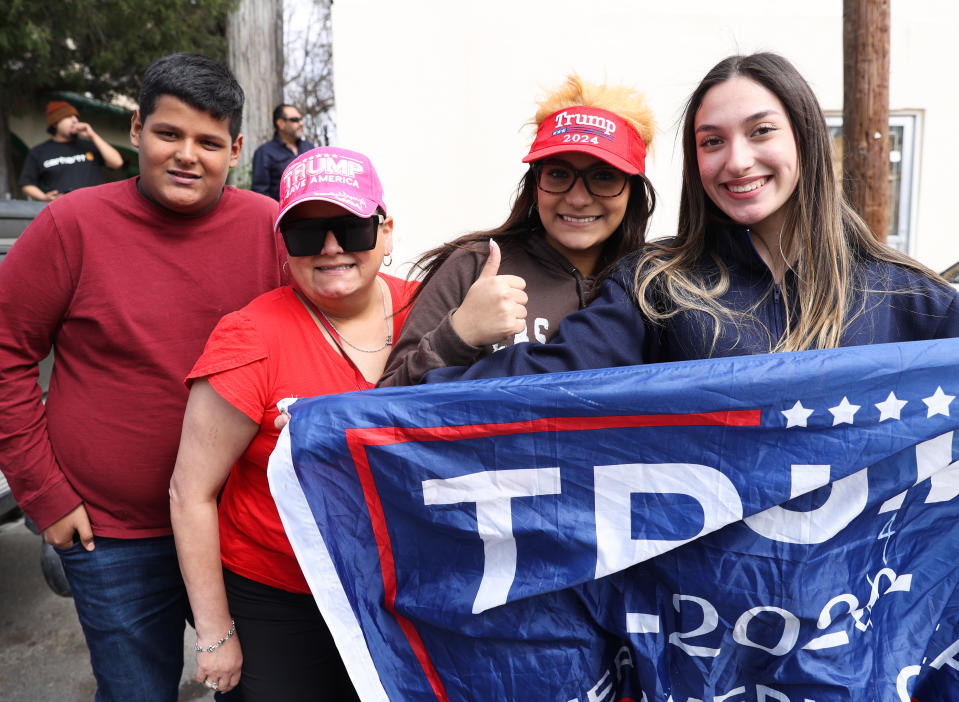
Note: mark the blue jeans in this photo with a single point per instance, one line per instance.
(132, 605)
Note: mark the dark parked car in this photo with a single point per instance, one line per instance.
(8, 506)
(15, 215)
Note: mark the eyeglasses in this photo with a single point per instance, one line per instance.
(307, 237)
(600, 181)
(293, 119)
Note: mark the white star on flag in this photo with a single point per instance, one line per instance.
(797, 415)
(938, 403)
(890, 407)
(843, 412)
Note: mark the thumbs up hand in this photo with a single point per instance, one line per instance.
(494, 308)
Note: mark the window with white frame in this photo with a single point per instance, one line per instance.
(903, 171)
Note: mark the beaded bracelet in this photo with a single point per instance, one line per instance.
(211, 648)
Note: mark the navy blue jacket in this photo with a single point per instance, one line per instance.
(613, 332)
(269, 162)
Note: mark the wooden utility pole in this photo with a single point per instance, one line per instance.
(254, 32)
(865, 116)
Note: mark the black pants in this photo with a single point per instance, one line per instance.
(288, 652)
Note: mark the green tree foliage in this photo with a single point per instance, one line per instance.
(97, 47)
(100, 46)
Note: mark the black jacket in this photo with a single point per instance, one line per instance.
(269, 162)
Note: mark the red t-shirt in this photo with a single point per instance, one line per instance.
(269, 350)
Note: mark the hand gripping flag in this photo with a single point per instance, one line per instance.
(778, 528)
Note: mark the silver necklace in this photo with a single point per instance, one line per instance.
(389, 336)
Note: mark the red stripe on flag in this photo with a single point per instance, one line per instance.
(387, 566)
(380, 436)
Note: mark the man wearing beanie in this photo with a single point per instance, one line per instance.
(69, 160)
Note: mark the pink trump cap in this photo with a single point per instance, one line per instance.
(330, 174)
(593, 131)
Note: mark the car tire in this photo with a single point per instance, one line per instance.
(50, 564)
(52, 569)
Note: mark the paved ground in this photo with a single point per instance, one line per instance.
(42, 653)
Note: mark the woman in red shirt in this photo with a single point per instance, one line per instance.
(330, 331)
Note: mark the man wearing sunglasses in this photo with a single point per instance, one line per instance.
(270, 159)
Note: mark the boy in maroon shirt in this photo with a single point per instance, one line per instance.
(126, 281)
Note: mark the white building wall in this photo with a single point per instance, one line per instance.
(437, 92)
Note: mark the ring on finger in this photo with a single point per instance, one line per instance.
(212, 684)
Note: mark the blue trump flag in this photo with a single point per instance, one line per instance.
(780, 528)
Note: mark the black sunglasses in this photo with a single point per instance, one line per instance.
(293, 119)
(307, 237)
